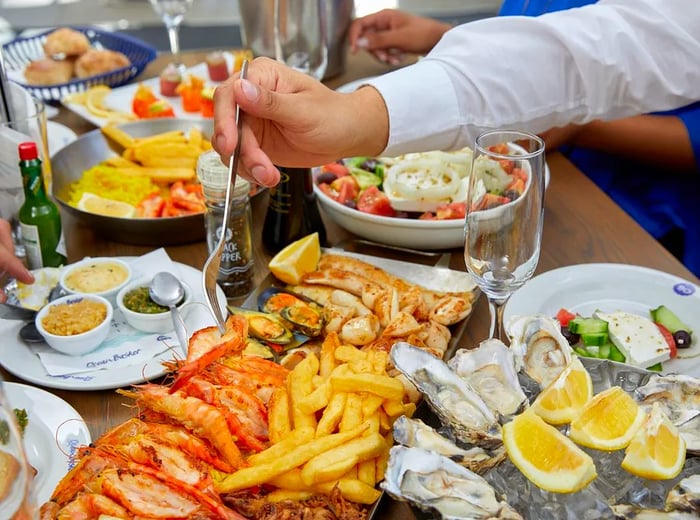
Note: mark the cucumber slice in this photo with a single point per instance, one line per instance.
(581, 351)
(604, 352)
(593, 351)
(656, 368)
(615, 354)
(668, 319)
(580, 325)
(595, 339)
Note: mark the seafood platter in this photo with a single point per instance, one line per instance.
(290, 410)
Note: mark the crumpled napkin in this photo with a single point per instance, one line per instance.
(126, 346)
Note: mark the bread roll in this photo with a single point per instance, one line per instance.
(46, 71)
(95, 62)
(66, 42)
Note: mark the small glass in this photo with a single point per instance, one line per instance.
(172, 12)
(236, 269)
(301, 35)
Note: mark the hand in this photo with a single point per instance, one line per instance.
(290, 119)
(390, 32)
(9, 263)
(559, 136)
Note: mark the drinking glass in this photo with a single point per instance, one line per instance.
(16, 490)
(28, 123)
(301, 35)
(172, 12)
(503, 233)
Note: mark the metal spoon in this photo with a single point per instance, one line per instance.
(167, 290)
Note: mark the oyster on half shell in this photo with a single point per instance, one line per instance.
(629, 512)
(679, 397)
(685, 496)
(435, 483)
(414, 433)
(541, 350)
(456, 403)
(490, 370)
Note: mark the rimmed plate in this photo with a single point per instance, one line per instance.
(22, 360)
(609, 287)
(53, 434)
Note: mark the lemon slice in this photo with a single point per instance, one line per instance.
(563, 399)
(657, 451)
(608, 421)
(296, 259)
(546, 456)
(101, 206)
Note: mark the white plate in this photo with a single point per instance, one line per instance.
(351, 86)
(59, 136)
(53, 434)
(120, 98)
(21, 360)
(609, 287)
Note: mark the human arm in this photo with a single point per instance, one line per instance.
(9, 263)
(609, 60)
(389, 32)
(660, 140)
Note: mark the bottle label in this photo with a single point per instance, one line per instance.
(61, 246)
(32, 245)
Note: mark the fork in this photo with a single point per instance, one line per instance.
(210, 271)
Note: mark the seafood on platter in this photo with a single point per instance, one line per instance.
(301, 314)
(491, 371)
(679, 396)
(454, 401)
(682, 502)
(541, 350)
(433, 482)
(372, 308)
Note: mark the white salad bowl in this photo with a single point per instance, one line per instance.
(75, 344)
(153, 323)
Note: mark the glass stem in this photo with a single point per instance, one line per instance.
(174, 37)
(496, 308)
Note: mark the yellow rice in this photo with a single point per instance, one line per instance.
(107, 182)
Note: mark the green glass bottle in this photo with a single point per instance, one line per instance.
(39, 219)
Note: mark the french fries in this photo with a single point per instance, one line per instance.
(330, 426)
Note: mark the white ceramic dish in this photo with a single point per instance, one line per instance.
(53, 434)
(609, 287)
(159, 322)
(94, 268)
(22, 360)
(120, 98)
(404, 232)
(76, 344)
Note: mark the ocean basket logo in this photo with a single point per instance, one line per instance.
(684, 289)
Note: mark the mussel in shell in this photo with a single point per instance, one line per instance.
(299, 313)
(266, 327)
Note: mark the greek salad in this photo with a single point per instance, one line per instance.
(429, 185)
(645, 342)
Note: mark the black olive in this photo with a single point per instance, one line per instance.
(370, 165)
(682, 338)
(350, 203)
(571, 337)
(326, 177)
(511, 194)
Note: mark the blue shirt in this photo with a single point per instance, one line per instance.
(660, 200)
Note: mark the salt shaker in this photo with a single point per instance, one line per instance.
(236, 269)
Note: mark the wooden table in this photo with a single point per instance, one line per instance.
(581, 225)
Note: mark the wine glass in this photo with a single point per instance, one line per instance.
(301, 35)
(172, 12)
(16, 476)
(505, 210)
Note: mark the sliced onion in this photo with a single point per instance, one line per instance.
(430, 179)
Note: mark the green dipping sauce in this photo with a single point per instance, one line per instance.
(138, 300)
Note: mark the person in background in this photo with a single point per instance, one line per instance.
(648, 164)
(9, 263)
(611, 60)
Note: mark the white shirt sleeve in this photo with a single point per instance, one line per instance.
(608, 60)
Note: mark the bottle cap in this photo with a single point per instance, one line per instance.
(213, 175)
(28, 151)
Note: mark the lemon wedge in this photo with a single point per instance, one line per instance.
(546, 456)
(101, 206)
(657, 451)
(608, 421)
(296, 259)
(563, 399)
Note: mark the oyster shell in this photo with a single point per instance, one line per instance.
(457, 405)
(435, 483)
(679, 397)
(685, 496)
(629, 512)
(541, 350)
(490, 370)
(414, 433)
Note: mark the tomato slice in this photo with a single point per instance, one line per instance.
(453, 210)
(374, 201)
(564, 317)
(669, 339)
(340, 170)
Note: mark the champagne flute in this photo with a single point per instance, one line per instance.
(503, 232)
(16, 490)
(301, 35)
(172, 12)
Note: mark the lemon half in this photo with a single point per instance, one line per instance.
(101, 206)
